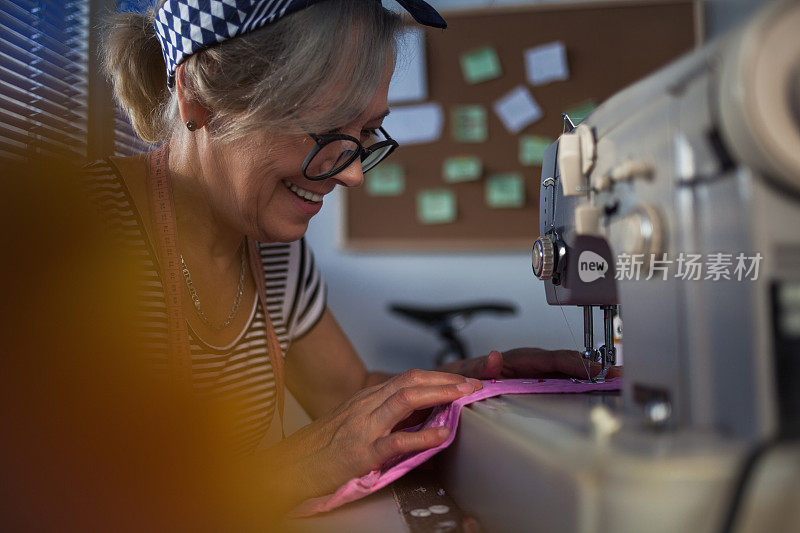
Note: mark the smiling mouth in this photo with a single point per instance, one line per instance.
(308, 196)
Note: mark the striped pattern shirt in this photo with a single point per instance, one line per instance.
(240, 373)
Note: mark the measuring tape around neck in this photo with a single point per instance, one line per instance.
(162, 211)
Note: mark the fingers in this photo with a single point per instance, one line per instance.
(409, 399)
(486, 367)
(403, 442)
(416, 418)
(424, 378)
(571, 363)
(535, 362)
(359, 434)
(492, 365)
(370, 398)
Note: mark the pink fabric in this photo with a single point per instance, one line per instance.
(443, 415)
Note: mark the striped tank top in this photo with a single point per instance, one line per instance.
(240, 373)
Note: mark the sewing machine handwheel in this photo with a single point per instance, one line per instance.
(543, 258)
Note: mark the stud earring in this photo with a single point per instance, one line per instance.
(191, 125)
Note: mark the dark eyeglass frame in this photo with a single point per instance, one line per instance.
(362, 151)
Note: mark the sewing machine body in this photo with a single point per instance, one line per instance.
(666, 179)
(691, 160)
(665, 320)
(545, 463)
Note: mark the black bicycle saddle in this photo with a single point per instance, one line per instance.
(431, 316)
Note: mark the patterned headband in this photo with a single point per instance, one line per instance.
(184, 27)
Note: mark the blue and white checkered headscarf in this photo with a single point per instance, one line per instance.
(184, 27)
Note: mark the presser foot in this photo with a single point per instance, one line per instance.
(599, 378)
(596, 379)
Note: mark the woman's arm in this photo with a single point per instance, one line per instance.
(528, 363)
(354, 418)
(323, 370)
(349, 441)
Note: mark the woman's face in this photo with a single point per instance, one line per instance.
(260, 181)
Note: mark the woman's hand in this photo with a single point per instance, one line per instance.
(356, 437)
(528, 363)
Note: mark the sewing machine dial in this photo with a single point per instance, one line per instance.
(543, 258)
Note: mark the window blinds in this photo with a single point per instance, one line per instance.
(126, 142)
(43, 78)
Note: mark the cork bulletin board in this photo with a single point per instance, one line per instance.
(608, 46)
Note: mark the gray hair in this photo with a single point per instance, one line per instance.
(312, 71)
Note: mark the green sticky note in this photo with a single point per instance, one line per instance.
(505, 190)
(386, 180)
(532, 148)
(578, 112)
(462, 168)
(480, 64)
(469, 123)
(436, 206)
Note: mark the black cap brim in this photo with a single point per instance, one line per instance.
(423, 13)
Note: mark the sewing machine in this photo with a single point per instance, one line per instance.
(700, 160)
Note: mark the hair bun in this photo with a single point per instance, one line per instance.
(132, 61)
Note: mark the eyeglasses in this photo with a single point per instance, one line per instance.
(335, 152)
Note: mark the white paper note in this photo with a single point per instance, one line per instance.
(409, 81)
(546, 63)
(517, 109)
(415, 124)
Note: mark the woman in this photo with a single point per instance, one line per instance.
(265, 109)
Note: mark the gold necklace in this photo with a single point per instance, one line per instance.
(187, 277)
